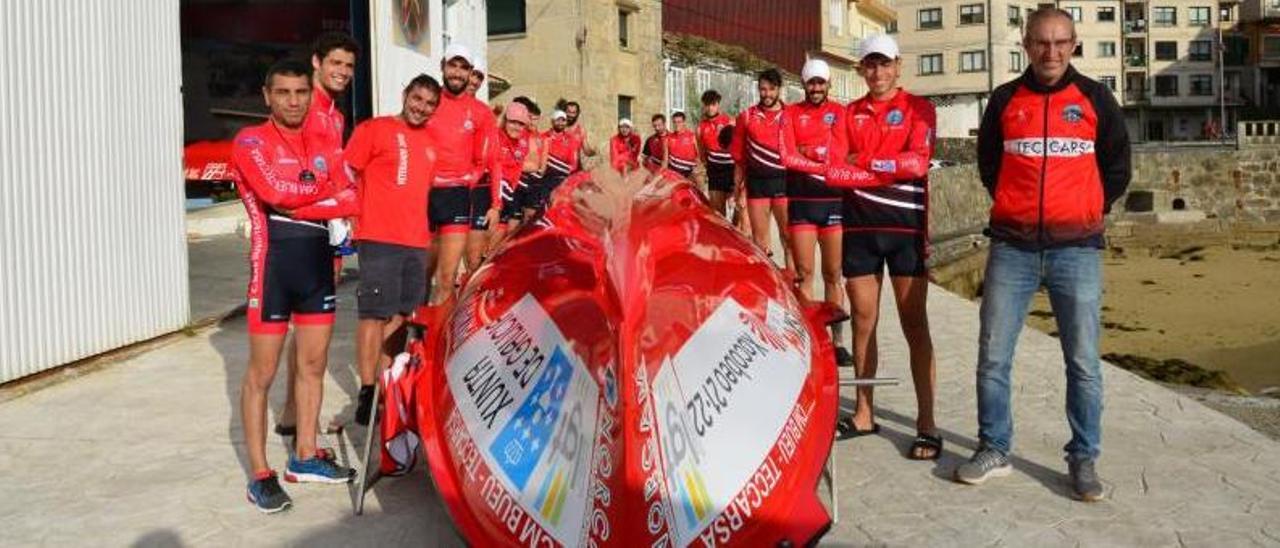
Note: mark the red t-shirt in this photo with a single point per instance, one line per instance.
(395, 164)
(562, 151)
(624, 151)
(709, 136)
(682, 150)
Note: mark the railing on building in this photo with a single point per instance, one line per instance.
(1258, 132)
(1136, 25)
(1135, 61)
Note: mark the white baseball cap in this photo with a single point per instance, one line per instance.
(456, 50)
(559, 114)
(625, 122)
(880, 43)
(815, 68)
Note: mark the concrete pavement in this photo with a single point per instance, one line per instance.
(146, 453)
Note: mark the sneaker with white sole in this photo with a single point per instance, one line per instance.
(316, 469)
(266, 495)
(985, 463)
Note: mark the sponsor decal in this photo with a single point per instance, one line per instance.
(721, 404)
(468, 125)
(829, 118)
(320, 164)
(1059, 147)
(254, 303)
(1073, 113)
(894, 117)
(531, 409)
(250, 141)
(884, 165)
(402, 161)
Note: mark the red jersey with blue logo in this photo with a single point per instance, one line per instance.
(562, 151)
(811, 136)
(682, 151)
(757, 142)
(890, 144)
(709, 137)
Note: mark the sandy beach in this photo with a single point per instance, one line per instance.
(1217, 307)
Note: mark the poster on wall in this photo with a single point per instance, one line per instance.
(411, 25)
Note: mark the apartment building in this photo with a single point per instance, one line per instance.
(1258, 48)
(1173, 64)
(605, 54)
(788, 33)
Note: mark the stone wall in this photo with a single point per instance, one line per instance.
(961, 150)
(1224, 183)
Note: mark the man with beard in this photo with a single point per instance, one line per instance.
(654, 151)
(393, 161)
(462, 130)
(333, 64)
(759, 177)
(812, 132)
(572, 111)
(715, 156)
(531, 180)
(562, 149)
(624, 148)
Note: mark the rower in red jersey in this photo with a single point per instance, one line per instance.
(624, 148)
(715, 151)
(759, 176)
(682, 147)
(654, 151)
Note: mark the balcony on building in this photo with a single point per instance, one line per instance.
(1135, 26)
(1135, 61)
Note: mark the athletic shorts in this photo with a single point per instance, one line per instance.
(449, 209)
(294, 280)
(815, 214)
(720, 177)
(686, 173)
(869, 251)
(766, 188)
(480, 202)
(513, 206)
(393, 280)
(541, 194)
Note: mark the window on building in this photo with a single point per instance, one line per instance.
(836, 16)
(1201, 84)
(1077, 13)
(1167, 85)
(624, 28)
(1015, 61)
(1106, 49)
(891, 27)
(1271, 46)
(1164, 16)
(929, 18)
(1079, 51)
(1109, 81)
(1166, 51)
(704, 81)
(1231, 85)
(1225, 14)
(624, 106)
(972, 14)
(1198, 16)
(675, 89)
(505, 17)
(1235, 50)
(1015, 16)
(1200, 50)
(931, 64)
(1106, 15)
(973, 61)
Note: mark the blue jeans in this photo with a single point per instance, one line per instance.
(1073, 277)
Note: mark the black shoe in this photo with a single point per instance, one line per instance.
(1084, 480)
(364, 405)
(286, 430)
(266, 494)
(843, 357)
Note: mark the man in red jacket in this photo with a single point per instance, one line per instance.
(886, 219)
(759, 178)
(624, 148)
(290, 186)
(1054, 154)
(654, 151)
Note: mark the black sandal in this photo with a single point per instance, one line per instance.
(924, 443)
(845, 429)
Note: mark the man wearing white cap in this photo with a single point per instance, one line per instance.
(478, 74)
(464, 132)
(890, 136)
(624, 147)
(562, 148)
(813, 133)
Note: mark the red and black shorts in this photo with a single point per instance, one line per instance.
(719, 177)
(291, 278)
(820, 214)
(868, 252)
(766, 189)
(449, 209)
(481, 200)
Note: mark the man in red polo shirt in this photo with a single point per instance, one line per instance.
(624, 148)
(891, 135)
(394, 163)
(460, 130)
(759, 175)
(654, 151)
(715, 155)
